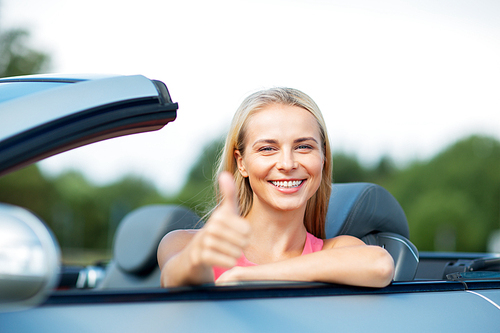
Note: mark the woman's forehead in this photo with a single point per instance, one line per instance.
(282, 121)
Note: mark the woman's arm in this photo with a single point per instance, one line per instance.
(175, 269)
(186, 257)
(344, 260)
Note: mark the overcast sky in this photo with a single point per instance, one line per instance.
(402, 78)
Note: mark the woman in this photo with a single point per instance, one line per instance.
(274, 186)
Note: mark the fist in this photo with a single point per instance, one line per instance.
(221, 241)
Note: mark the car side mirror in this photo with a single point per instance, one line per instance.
(29, 259)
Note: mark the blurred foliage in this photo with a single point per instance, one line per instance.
(198, 192)
(80, 214)
(452, 201)
(17, 58)
(347, 168)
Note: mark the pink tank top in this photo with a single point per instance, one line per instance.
(312, 244)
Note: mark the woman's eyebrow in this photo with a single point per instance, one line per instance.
(272, 141)
(309, 138)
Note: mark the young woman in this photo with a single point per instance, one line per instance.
(273, 189)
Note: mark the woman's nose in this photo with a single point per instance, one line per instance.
(286, 162)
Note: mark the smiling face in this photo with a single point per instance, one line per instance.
(283, 157)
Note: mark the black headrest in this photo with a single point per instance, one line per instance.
(140, 232)
(359, 209)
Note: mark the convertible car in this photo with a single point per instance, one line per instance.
(41, 116)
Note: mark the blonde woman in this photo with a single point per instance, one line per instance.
(273, 189)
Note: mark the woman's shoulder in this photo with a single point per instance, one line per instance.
(341, 241)
(313, 244)
(179, 236)
(174, 242)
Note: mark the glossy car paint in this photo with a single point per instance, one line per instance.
(46, 101)
(258, 310)
(76, 112)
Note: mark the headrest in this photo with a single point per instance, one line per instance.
(359, 209)
(139, 234)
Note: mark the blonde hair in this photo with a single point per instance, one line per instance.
(315, 214)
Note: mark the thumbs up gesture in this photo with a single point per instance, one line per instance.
(221, 241)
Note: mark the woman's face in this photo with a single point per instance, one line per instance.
(283, 157)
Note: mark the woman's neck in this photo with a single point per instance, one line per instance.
(275, 235)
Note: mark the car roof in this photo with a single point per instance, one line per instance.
(28, 101)
(42, 115)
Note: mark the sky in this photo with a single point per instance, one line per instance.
(398, 78)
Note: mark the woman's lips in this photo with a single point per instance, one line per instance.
(287, 184)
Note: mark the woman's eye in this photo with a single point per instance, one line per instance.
(266, 149)
(305, 147)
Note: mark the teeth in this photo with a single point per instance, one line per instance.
(287, 184)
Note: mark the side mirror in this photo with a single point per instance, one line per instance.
(29, 259)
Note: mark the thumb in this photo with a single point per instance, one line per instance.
(228, 191)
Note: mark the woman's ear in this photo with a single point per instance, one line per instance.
(239, 163)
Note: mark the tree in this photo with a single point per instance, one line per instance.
(346, 169)
(452, 202)
(86, 216)
(16, 57)
(198, 192)
(26, 186)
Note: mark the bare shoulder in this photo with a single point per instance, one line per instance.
(341, 241)
(174, 242)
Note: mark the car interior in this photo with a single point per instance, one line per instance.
(364, 210)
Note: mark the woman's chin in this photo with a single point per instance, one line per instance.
(290, 206)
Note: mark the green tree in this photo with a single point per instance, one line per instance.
(25, 187)
(455, 195)
(86, 216)
(452, 201)
(383, 171)
(17, 58)
(198, 192)
(346, 169)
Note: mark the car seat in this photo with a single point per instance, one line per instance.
(364, 210)
(370, 212)
(136, 241)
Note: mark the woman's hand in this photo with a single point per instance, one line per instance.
(219, 243)
(232, 275)
(344, 260)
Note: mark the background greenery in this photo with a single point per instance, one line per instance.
(452, 200)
